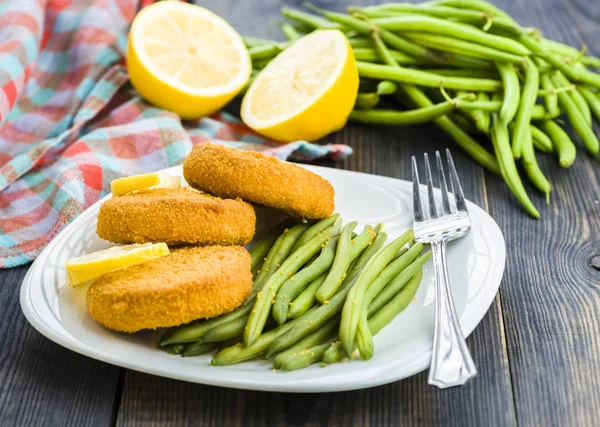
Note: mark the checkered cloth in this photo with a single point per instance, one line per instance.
(70, 123)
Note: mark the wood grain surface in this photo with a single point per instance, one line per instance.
(537, 349)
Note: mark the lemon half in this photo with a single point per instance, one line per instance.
(186, 59)
(306, 92)
(145, 181)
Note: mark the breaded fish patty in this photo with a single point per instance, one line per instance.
(188, 284)
(175, 216)
(258, 178)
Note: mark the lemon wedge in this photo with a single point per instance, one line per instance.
(186, 59)
(94, 265)
(145, 181)
(306, 92)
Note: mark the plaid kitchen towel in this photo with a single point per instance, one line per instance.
(70, 123)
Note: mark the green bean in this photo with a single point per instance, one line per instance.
(353, 304)
(403, 118)
(576, 96)
(510, 82)
(461, 47)
(312, 320)
(487, 106)
(176, 349)
(562, 142)
(227, 331)
(453, 72)
(410, 76)
(285, 359)
(315, 229)
(264, 51)
(254, 42)
(570, 52)
(261, 248)
(368, 54)
(366, 101)
(449, 28)
(385, 314)
(306, 298)
(386, 296)
(346, 247)
(265, 298)
(466, 142)
(289, 31)
(333, 354)
(240, 353)
(199, 348)
(307, 19)
(551, 99)
(403, 44)
(299, 281)
(360, 42)
(482, 118)
(535, 174)
(591, 99)
(386, 87)
(541, 141)
(577, 120)
(523, 107)
(463, 123)
(538, 112)
(468, 16)
(591, 61)
(574, 74)
(508, 169)
(482, 6)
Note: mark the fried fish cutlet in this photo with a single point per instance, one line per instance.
(176, 216)
(258, 178)
(188, 284)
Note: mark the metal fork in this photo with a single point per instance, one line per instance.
(451, 362)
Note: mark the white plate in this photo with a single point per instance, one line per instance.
(402, 349)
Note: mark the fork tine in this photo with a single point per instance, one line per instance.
(417, 208)
(432, 208)
(461, 205)
(443, 185)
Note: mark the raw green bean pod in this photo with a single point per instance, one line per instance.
(525, 104)
(577, 120)
(551, 98)
(535, 174)
(576, 97)
(457, 72)
(592, 100)
(266, 51)
(370, 55)
(508, 168)
(386, 87)
(541, 141)
(289, 31)
(510, 82)
(482, 6)
(366, 101)
(299, 281)
(461, 47)
(421, 78)
(482, 118)
(307, 19)
(562, 142)
(539, 112)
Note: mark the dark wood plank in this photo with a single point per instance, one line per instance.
(149, 400)
(42, 383)
(550, 293)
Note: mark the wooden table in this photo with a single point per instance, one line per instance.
(537, 349)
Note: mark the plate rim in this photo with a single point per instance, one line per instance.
(418, 364)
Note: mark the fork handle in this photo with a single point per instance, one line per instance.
(451, 361)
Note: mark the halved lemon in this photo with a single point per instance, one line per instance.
(186, 59)
(145, 181)
(306, 92)
(94, 265)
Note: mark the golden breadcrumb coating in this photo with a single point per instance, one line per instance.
(188, 284)
(258, 178)
(175, 216)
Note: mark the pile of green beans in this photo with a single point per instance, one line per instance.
(457, 63)
(321, 283)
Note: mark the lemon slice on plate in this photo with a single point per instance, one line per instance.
(94, 265)
(145, 181)
(306, 92)
(186, 59)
